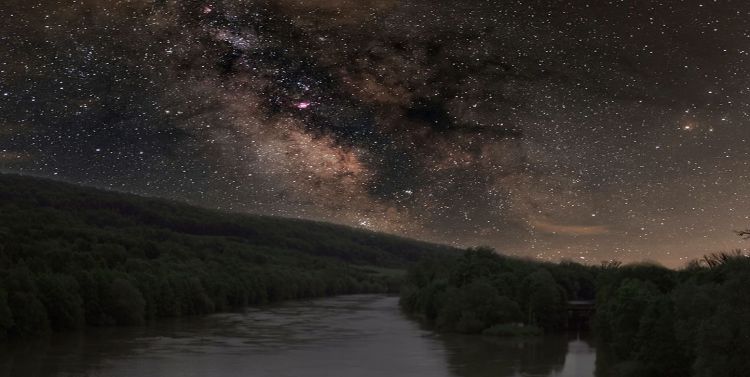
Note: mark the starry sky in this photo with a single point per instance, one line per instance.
(564, 129)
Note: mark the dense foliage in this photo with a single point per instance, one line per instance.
(73, 256)
(658, 322)
(649, 320)
(482, 291)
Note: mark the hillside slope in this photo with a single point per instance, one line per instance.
(72, 255)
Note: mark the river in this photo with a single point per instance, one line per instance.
(357, 336)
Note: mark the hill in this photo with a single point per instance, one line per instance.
(72, 255)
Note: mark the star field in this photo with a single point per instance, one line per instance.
(587, 130)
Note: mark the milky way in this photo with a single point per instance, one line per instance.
(587, 130)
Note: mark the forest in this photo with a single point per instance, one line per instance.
(481, 291)
(649, 321)
(653, 321)
(72, 256)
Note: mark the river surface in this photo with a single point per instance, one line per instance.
(348, 336)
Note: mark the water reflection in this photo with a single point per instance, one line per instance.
(471, 356)
(346, 336)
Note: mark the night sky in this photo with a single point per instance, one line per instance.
(587, 130)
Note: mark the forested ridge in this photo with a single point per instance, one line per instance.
(72, 256)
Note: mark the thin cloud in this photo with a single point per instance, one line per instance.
(569, 230)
